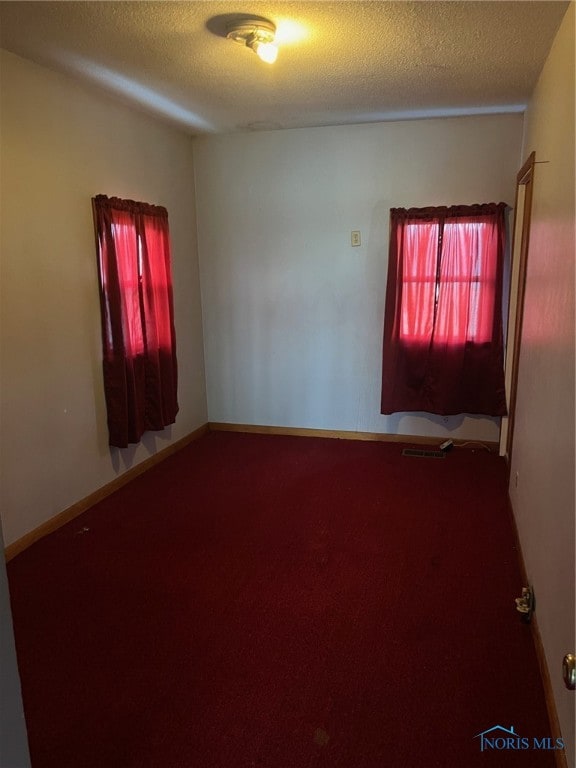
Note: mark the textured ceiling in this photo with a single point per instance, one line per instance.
(342, 62)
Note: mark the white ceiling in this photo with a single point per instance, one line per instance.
(346, 62)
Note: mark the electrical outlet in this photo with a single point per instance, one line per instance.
(355, 237)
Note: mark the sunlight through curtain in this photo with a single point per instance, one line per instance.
(138, 337)
(443, 345)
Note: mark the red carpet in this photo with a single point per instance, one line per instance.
(279, 602)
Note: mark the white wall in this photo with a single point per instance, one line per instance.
(543, 451)
(293, 314)
(61, 144)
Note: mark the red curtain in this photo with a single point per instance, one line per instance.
(443, 345)
(138, 337)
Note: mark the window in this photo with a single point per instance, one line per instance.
(138, 337)
(443, 349)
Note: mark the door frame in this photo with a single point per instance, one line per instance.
(525, 179)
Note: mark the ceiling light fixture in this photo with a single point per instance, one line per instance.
(257, 34)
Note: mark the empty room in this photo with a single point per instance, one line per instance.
(287, 403)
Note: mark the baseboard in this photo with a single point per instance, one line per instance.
(555, 732)
(89, 501)
(259, 429)
(560, 758)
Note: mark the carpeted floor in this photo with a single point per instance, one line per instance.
(280, 602)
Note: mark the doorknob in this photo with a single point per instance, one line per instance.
(569, 671)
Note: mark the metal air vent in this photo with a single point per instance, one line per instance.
(424, 454)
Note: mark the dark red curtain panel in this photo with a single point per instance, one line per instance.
(138, 337)
(443, 345)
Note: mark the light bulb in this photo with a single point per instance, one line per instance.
(266, 51)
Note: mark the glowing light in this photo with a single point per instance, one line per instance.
(266, 51)
(288, 32)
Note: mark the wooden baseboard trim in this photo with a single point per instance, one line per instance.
(101, 493)
(555, 732)
(560, 758)
(89, 501)
(259, 429)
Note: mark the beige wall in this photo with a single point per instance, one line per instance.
(62, 143)
(293, 315)
(543, 452)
